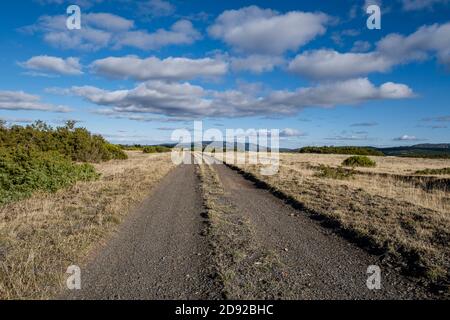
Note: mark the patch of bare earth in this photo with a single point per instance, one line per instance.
(411, 233)
(43, 235)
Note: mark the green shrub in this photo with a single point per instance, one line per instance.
(333, 173)
(24, 171)
(116, 152)
(359, 161)
(76, 143)
(363, 151)
(434, 171)
(156, 149)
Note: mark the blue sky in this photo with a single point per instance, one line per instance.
(139, 69)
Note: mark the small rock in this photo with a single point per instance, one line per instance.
(286, 249)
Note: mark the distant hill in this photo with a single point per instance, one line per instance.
(427, 150)
(433, 146)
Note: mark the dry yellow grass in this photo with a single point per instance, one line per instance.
(43, 235)
(411, 225)
(393, 165)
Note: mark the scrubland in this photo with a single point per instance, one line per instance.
(44, 234)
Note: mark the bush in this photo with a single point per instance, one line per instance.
(24, 171)
(116, 152)
(359, 161)
(333, 173)
(156, 149)
(76, 143)
(363, 151)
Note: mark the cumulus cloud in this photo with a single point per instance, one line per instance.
(48, 64)
(154, 68)
(330, 64)
(187, 100)
(394, 49)
(181, 32)
(249, 29)
(19, 100)
(289, 132)
(406, 138)
(101, 30)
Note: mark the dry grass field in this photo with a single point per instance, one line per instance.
(387, 208)
(43, 235)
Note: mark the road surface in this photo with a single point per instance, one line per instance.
(161, 251)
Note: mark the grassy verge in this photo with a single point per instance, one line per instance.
(243, 268)
(43, 235)
(409, 236)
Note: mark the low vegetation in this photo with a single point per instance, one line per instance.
(41, 158)
(24, 171)
(442, 171)
(156, 149)
(42, 235)
(359, 161)
(364, 151)
(324, 171)
(78, 144)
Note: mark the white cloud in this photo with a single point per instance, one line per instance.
(265, 31)
(256, 63)
(19, 100)
(107, 21)
(68, 66)
(289, 132)
(394, 49)
(181, 33)
(187, 100)
(154, 68)
(101, 30)
(406, 138)
(330, 64)
(411, 5)
(417, 46)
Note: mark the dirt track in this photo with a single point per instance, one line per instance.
(160, 252)
(317, 263)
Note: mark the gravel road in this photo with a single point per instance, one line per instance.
(318, 263)
(160, 251)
